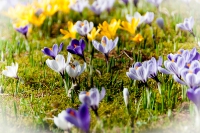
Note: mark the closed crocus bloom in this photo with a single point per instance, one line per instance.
(71, 33)
(83, 27)
(137, 16)
(77, 47)
(23, 30)
(52, 52)
(75, 69)
(110, 4)
(126, 96)
(58, 64)
(61, 122)
(105, 46)
(92, 98)
(79, 5)
(187, 25)
(194, 95)
(160, 22)
(138, 38)
(79, 118)
(155, 2)
(11, 71)
(149, 16)
(135, 2)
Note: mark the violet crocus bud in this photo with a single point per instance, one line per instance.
(149, 16)
(23, 30)
(160, 22)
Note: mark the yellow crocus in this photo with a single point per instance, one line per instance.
(63, 5)
(109, 30)
(130, 27)
(138, 38)
(71, 33)
(93, 34)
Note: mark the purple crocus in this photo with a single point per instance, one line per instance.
(125, 1)
(79, 5)
(52, 52)
(139, 71)
(105, 46)
(92, 98)
(98, 6)
(194, 96)
(83, 27)
(160, 22)
(23, 30)
(77, 47)
(187, 25)
(154, 67)
(155, 2)
(149, 16)
(79, 118)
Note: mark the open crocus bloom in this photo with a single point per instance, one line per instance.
(75, 69)
(83, 27)
(59, 64)
(77, 47)
(137, 16)
(52, 52)
(105, 46)
(11, 71)
(79, 5)
(187, 25)
(79, 118)
(93, 97)
(61, 122)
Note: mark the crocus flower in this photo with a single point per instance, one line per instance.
(126, 96)
(79, 5)
(138, 38)
(23, 30)
(160, 22)
(139, 71)
(109, 30)
(93, 34)
(98, 6)
(105, 46)
(61, 122)
(155, 2)
(187, 25)
(79, 118)
(130, 27)
(92, 98)
(110, 4)
(71, 33)
(58, 64)
(75, 69)
(155, 65)
(125, 1)
(194, 96)
(11, 71)
(137, 16)
(149, 16)
(83, 27)
(52, 52)
(77, 47)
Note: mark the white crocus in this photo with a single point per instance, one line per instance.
(136, 15)
(11, 71)
(126, 96)
(61, 122)
(59, 64)
(75, 69)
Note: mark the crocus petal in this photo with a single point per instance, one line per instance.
(84, 116)
(103, 93)
(72, 117)
(48, 52)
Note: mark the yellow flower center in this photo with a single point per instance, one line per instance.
(173, 60)
(103, 43)
(179, 52)
(190, 71)
(82, 24)
(136, 67)
(188, 65)
(50, 49)
(87, 93)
